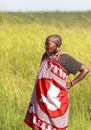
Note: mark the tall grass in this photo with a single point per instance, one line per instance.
(22, 37)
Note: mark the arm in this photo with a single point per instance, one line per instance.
(83, 72)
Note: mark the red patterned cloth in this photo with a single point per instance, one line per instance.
(49, 105)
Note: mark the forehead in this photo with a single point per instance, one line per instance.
(50, 40)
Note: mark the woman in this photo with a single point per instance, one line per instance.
(49, 106)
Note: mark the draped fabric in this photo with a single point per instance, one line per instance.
(49, 105)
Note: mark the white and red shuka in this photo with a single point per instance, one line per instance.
(49, 106)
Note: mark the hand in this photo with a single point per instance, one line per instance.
(69, 85)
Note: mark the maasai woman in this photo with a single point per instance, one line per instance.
(49, 106)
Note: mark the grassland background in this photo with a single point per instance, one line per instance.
(22, 37)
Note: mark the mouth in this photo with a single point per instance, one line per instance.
(48, 51)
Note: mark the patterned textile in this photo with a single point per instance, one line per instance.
(49, 105)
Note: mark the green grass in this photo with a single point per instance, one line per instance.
(22, 37)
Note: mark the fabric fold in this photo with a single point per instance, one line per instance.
(49, 105)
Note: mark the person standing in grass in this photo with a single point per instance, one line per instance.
(49, 105)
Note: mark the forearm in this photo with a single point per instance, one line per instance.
(83, 72)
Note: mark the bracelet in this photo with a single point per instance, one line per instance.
(71, 84)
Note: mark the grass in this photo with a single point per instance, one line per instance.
(22, 37)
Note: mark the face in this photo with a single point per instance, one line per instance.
(50, 46)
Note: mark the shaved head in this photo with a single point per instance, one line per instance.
(55, 39)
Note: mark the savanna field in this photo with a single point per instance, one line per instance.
(22, 37)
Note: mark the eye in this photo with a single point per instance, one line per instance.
(48, 44)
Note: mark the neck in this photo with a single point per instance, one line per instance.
(54, 55)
